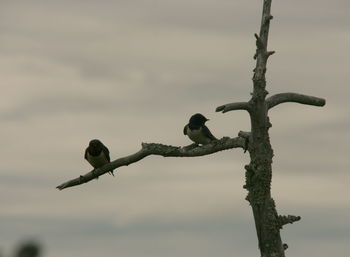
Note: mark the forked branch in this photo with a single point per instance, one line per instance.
(295, 98)
(193, 150)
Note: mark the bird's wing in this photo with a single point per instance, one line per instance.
(85, 155)
(207, 133)
(106, 153)
(185, 130)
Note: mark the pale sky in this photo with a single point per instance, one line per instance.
(134, 71)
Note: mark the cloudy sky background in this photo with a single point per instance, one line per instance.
(128, 72)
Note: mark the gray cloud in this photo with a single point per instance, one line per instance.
(52, 105)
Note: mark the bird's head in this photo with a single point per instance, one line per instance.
(95, 143)
(198, 119)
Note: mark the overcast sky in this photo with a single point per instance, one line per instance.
(134, 71)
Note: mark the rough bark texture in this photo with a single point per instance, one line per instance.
(259, 171)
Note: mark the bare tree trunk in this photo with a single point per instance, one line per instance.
(259, 171)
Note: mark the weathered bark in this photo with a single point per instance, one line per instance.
(259, 171)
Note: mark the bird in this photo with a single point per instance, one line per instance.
(97, 154)
(197, 131)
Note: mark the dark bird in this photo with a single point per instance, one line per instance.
(197, 131)
(97, 154)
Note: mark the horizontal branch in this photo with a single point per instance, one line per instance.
(295, 98)
(193, 150)
(233, 106)
(283, 220)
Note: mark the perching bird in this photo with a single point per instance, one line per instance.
(197, 131)
(97, 154)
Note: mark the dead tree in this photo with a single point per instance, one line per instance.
(259, 171)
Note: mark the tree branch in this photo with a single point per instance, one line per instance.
(244, 134)
(193, 150)
(294, 97)
(283, 220)
(233, 106)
